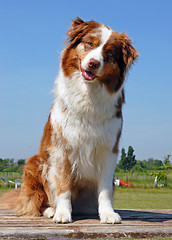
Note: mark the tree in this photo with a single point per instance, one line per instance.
(123, 161)
(131, 158)
(140, 166)
(8, 164)
(162, 177)
(158, 163)
(21, 162)
(1, 164)
(167, 164)
(153, 164)
(167, 160)
(128, 161)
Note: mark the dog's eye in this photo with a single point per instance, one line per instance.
(88, 45)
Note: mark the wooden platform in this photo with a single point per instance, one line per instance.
(135, 223)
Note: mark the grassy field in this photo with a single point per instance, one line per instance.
(144, 195)
(136, 198)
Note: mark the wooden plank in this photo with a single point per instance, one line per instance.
(136, 223)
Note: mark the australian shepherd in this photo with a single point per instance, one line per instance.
(74, 168)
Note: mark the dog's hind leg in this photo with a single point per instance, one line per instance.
(32, 197)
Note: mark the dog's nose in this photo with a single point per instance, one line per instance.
(93, 63)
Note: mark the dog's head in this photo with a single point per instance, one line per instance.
(98, 53)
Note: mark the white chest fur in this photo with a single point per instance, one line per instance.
(85, 112)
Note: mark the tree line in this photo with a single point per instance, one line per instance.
(9, 164)
(128, 162)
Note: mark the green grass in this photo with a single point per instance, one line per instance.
(138, 198)
(145, 195)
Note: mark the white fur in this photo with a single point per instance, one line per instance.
(88, 124)
(48, 212)
(106, 211)
(63, 208)
(97, 53)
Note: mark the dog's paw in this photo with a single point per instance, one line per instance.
(48, 212)
(62, 216)
(110, 217)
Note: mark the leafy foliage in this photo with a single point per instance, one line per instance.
(167, 164)
(128, 160)
(129, 163)
(150, 167)
(10, 165)
(162, 176)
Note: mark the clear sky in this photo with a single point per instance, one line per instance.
(32, 37)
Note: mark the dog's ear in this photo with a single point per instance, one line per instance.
(129, 52)
(76, 28)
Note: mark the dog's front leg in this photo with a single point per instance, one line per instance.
(105, 205)
(61, 184)
(63, 208)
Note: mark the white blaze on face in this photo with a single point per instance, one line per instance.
(97, 52)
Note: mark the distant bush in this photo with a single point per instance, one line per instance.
(10, 165)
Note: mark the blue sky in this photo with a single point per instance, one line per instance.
(32, 37)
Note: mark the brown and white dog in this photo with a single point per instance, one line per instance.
(73, 170)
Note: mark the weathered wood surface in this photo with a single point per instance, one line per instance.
(135, 223)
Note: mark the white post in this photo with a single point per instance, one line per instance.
(156, 181)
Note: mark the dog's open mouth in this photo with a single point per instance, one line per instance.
(88, 75)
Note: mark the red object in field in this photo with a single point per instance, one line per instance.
(125, 184)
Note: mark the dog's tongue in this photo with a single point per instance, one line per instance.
(88, 75)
